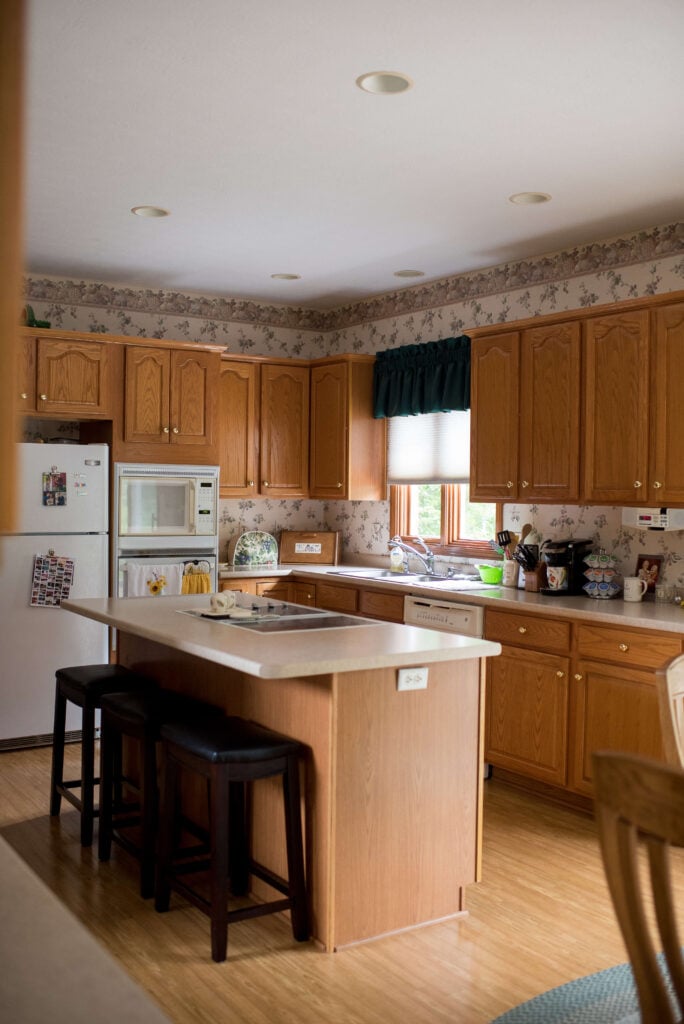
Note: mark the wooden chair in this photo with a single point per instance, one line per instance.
(670, 683)
(637, 798)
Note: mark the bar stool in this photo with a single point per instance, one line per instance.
(83, 685)
(138, 715)
(230, 754)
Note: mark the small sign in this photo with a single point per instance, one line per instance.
(308, 549)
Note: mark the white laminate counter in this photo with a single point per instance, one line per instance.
(369, 645)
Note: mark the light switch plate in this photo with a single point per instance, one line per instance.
(412, 679)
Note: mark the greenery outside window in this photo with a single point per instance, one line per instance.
(445, 518)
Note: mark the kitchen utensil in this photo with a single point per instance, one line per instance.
(526, 530)
(490, 573)
(504, 539)
(525, 556)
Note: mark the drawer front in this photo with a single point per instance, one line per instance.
(337, 599)
(626, 646)
(280, 590)
(382, 606)
(528, 631)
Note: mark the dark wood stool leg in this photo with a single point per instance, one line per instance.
(87, 776)
(166, 832)
(57, 752)
(109, 740)
(299, 914)
(239, 844)
(148, 816)
(219, 840)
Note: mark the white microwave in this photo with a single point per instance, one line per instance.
(165, 501)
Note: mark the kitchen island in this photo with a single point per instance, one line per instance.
(392, 803)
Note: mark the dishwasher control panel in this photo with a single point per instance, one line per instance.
(444, 615)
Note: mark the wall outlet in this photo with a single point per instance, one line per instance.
(412, 679)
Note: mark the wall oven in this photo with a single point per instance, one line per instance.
(165, 517)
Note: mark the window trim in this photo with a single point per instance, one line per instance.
(447, 544)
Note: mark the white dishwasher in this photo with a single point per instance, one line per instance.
(467, 619)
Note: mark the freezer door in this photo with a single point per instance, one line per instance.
(37, 641)
(63, 488)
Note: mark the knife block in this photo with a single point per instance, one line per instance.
(535, 579)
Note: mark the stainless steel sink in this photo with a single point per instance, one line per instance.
(416, 579)
(374, 574)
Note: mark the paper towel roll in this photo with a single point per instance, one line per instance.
(223, 601)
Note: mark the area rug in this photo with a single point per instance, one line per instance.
(608, 997)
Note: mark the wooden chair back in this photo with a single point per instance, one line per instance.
(670, 683)
(637, 798)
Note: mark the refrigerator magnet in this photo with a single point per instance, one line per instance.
(54, 487)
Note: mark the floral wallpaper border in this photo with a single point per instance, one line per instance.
(597, 257)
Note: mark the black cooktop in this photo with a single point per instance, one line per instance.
(293, 624)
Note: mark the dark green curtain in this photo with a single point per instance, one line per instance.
(413, 379)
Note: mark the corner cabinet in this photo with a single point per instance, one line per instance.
(64, 377)
(347, 445)
(169, 396)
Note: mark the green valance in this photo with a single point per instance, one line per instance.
(413, 379)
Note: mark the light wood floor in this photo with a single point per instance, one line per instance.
(540, 917)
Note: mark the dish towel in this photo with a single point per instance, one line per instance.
(196, 583)
(147, 580)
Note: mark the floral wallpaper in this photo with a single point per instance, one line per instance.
(646, 263)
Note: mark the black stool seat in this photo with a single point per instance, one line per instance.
(84, 685)
(231, 753)
(138, 715)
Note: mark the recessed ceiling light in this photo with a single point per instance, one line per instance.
(286, 277)
(529, 198)
(149, 211)
(409, 273)
(384, 82)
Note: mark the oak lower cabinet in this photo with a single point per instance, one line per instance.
(527, 696)
(65, 377)
(169, 396)
(347, 445)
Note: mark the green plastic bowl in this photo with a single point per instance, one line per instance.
(490, 573)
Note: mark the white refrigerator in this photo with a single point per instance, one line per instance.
(59, 551)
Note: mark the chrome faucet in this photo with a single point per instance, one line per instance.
(427, 560)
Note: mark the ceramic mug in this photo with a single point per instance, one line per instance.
(634, 588)
(557, 575)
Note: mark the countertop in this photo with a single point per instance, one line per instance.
(644, 614)
(368, 645)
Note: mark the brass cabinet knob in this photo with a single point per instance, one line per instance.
(24, 395)
(43, 398)
(165, 430)
(637, 484)
(623, 647)
(525, 483)
(509, 485)
(522, 629)
(657, 484)
(560, 674)
(250, 483)
(264, 483)
(339, 486)
(579, 677)
(176, 430)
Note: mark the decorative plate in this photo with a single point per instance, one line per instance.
(256, 548)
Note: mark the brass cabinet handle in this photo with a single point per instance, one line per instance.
(509, 484)
(250, 483)
(560, 674)
(578, 676)
(165, 430)
(637, 483)
(522, 629)
(24, 394)
(525, 483)
(623, 647)
(176, 430)
(657, 484)
(339, 486)
(43, 398)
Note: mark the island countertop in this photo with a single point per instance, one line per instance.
(368, 644)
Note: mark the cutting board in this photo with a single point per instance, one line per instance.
(313, 548)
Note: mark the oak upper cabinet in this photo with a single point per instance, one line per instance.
(666, 475)
(616, 408)
(495, 371)
(65, 377)
(347, 445)
(284, 430)
(169, 396)
(238, 428)
(525, 399)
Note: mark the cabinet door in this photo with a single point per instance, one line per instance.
(26, 375)
(329, 431)
(237, 428)
(527, 714)
(284, 433)
(666, 479)
(549, 413)
(72, 378)
(146, 417)
(616, 408)
(193, 380)
(612, 708)
(495, 365)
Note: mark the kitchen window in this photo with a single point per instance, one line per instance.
(428, 469)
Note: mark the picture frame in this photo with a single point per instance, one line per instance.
(648, 568)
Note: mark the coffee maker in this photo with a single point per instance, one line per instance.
(565, 566)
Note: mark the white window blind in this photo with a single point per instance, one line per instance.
(430, 449)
